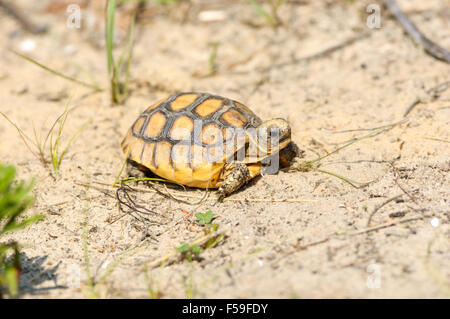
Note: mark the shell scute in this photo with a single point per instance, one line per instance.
(208, 107)
(155, 105)
(211, 134)
(137, 126)
(155, 125)
(183, 101)
(233, 118)
(181, 129)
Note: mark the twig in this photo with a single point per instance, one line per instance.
(169, 258)
(364, 129)
(402, 188)
(355, 233)
(102, 190)
(380, 206)
(319, 54)
(436, 139)
(313, 243)
(28, 25)
(171, 195)
(143, 213)
(271, 200)
(255, 200)
(311, 57)
(385, 225)
(138, 212)
(430, 47)
(434, 92)
(146, 231)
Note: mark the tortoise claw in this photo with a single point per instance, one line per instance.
(221, 196)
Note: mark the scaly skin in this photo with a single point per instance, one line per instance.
(237, 174)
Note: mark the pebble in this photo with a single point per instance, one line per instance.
(27, 45)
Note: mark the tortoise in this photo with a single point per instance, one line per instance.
(194, 139)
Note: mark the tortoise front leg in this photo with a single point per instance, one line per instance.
(236, 175)
(291, 158)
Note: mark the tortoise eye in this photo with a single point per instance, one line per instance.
(275, 131)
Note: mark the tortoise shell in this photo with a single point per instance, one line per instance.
(174, 137)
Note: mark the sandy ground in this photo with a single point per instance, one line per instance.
(321, 244)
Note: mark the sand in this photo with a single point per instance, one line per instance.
(331, 240)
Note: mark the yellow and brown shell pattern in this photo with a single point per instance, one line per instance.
(188, 137)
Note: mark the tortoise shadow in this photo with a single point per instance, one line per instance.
(34, 273)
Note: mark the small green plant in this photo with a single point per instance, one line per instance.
(119, 73)
(152, 287)
(205, 220)
(212, 57)
(189, 252)
(165, 2)
(272, 16)
(15, 198)
(57, 152)
(37, 145)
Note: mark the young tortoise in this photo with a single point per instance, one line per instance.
(194, 139)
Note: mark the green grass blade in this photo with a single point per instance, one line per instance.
(116, 181)
(22, 134)
(7, 174)
(213, 56)
(81, 129)
(55, 154)
(130, 54)
(52, 154)
(40, 147)
(62, 122)
(50, 132)
(345, 179)
(258, 8)
(91, 86)
(16, 226)
(351, 142)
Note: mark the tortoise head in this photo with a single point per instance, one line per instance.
(280, 127)
(273, 135)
